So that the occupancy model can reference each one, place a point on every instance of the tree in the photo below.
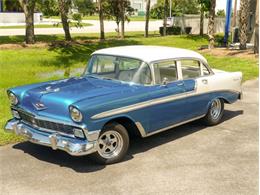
(221, 13)
(122, 17)
(64, 6)
(204, 6)
(256, 44)
(101, 19)
(147, 16)
(211, 24)
(48, 7)
(11, 6)
(243, 20)
(165, 17)
(118, 10)
(179, 7)
(28, 8)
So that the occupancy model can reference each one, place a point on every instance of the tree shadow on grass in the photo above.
(69, 54)
(138, 145)
(19, 39)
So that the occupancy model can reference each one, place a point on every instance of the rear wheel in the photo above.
(112, 144)
(215, 112)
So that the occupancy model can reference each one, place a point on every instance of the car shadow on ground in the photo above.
(84, 164)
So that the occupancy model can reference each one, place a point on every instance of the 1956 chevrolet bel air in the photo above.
(139, 90)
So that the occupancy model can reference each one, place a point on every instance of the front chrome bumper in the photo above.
(73, 146)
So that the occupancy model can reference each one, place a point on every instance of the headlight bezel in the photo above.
(13, 98)
(75, 114)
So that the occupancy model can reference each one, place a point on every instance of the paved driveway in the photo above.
(191, 159)
(110, 26)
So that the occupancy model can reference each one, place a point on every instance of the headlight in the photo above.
(75, 114)
(13, 99)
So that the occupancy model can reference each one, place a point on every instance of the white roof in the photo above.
(150, 53)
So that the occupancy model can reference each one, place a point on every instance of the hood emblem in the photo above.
(50, 90)
(39, 106)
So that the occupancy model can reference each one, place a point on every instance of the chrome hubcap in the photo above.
(215, 109)
(110, 144)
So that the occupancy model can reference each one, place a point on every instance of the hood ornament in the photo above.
(39, 106)
(49, 90)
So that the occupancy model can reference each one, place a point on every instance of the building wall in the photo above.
(140, 5)
(194, 22)
(17, 17)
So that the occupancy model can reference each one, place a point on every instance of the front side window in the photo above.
(190, 69)
(165, 71)
(120, 68)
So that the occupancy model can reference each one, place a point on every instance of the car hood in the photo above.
(55, 97)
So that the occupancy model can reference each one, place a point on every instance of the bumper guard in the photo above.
(71, 145)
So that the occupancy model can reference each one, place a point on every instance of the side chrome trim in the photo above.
(140, 105)
(152, 103)
(146, 134)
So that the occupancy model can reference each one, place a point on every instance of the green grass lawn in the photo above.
(22, 66)
(95, 17)
(72, 24)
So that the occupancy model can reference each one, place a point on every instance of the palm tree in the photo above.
(256, 44)
(147, 16)
(64, 10)
(201, 20)
(101, 20)
(243, 20)
(211, 23)
(28, 8)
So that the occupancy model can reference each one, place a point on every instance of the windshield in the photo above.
(120, 68)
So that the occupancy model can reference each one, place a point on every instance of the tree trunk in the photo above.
(234, 19)
(122, 13)
(64, 10)
(118, 30)
(101, 20)
(165, 17)
(123, 28)
(201, 20)
(147, 16)
(211, 24)
(243, 19)
(28, 8)
(256, 41)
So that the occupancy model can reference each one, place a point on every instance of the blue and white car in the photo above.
(139, 90)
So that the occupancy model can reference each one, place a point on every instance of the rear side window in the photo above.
(165, 71)
(190, 69)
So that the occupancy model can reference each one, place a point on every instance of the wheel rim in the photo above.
(110, 144)
(215, 109)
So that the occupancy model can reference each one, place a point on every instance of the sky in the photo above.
(221, 4)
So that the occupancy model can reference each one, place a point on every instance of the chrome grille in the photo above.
(31, 120)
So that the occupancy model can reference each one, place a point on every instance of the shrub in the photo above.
(188, 29)
(171, 30)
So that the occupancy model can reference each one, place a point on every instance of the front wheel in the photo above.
(215, 112)
(112, 144)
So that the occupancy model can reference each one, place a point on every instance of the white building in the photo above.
(140, 5)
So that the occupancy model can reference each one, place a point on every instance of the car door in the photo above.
(167, 97)
(195, 76)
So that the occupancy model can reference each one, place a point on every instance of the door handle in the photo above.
(204, 81)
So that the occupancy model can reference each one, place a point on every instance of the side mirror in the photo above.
(165, 81)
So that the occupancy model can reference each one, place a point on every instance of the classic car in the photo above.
(128, 90)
